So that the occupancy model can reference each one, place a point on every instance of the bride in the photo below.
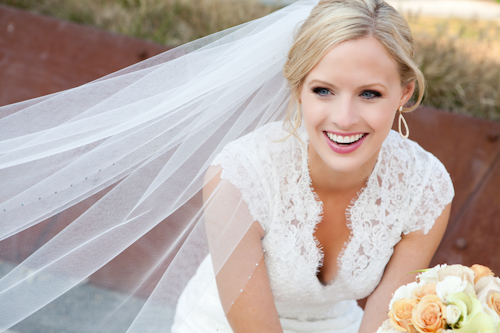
(341, 206)
(300, 218)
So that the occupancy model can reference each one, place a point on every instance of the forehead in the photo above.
(359, 61)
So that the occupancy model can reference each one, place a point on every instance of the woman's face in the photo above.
(349, 100)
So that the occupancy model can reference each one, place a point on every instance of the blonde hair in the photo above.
(332, 22)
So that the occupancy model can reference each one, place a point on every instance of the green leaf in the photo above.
(427, 269)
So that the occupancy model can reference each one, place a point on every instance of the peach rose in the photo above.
(481, 271)
(400, 315)
(426, 289)
(493, 301)
(429, 315)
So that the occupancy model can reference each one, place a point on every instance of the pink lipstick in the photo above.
(344, 148)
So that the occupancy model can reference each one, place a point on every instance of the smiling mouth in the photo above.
(344, 140)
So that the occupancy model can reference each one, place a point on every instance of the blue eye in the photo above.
(321, 91)
(370, 94)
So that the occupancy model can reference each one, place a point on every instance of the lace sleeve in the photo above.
(241, 168)
(435, 192)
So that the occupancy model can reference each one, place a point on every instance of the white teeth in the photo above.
(344, 139)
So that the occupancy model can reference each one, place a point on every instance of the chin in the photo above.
(345, 165)
(363, 157)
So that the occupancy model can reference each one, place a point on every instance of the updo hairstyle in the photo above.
(332, 22)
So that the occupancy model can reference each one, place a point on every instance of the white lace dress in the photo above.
(406, 191)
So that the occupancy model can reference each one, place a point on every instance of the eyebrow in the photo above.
(332, 85)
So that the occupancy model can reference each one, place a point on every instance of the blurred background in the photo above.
(50, 45)
(458, 41)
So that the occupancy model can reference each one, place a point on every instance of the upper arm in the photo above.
(432, 192)
(413, 252)
(235, 246)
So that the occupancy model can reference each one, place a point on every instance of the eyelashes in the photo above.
(320, 91)
(370, 94)
(366, 94)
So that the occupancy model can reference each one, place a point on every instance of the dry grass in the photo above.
(461, 62)
(460, 58)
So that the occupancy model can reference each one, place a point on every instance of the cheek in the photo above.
(310, 118)
(313, 112)
(383, 113)
(380, 119)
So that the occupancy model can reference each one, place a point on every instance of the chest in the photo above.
(332, 234)
(327, 252)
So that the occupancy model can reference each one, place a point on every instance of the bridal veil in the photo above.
(124, 158)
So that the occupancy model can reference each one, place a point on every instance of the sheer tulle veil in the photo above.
(117, 167)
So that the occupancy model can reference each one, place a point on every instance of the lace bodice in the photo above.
(406, 192)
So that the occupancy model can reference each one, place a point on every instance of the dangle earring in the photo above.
(401, 118)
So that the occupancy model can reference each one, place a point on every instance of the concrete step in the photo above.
(78, 310)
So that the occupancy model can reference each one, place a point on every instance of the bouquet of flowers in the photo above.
(446, 298)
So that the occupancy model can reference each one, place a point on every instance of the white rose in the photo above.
(484, 285)
(453, 313)
(463, 272)
(431, 276)
(404, 292)
(387, 328)
(450, 285)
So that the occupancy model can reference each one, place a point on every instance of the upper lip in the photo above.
(345, 134)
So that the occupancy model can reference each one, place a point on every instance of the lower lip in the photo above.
(344, 149)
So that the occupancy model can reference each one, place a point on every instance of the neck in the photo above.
(328, 181)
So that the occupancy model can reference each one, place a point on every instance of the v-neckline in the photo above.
(319, 217)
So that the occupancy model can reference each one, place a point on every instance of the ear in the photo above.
(407, 92)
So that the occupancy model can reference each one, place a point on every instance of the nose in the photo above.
(344, 114)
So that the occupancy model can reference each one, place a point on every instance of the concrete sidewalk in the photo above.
(470, 9)
(483, 9)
